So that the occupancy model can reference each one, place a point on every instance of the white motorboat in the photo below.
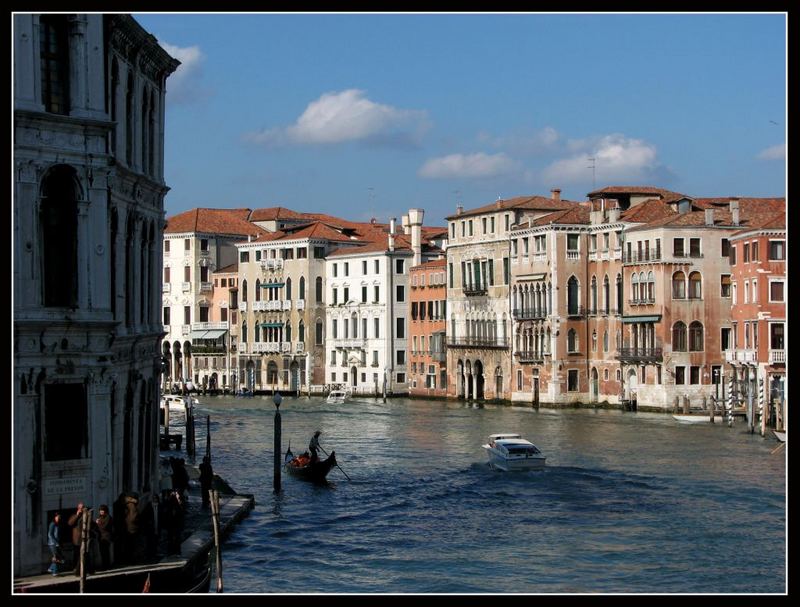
(176, 402)
(511, 452)
(699, 418)
(338, 396)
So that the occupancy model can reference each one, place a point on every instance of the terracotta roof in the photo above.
(647, 211)
(231, 269)
(769, 222)
(541, 203)
(575, 215)
(213, 221)
(402, 242)
(273, 213)
(634, 190)
(753, 212)
(433, 231)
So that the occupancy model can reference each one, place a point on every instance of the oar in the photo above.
(337, 463)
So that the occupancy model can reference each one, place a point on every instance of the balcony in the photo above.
(186, 287)
(438, 355)
(300, 304)
(349, 342)
(287, 304)
(271, 264)
(647, 355)
(576, 311)
(477, 342)
(299, 347)
(642, 257)
(166, 287)
(574, 255)
(542, 256)
(166, 328)
(528, 356)
(206, 287)
(741, 355)
(208, 326)
(209, 350)
(529, 313)
(472, 290)
(777, 357)
(186, 329)
(243, 306)
(642, 301)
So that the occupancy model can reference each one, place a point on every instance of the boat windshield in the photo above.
(522, 450)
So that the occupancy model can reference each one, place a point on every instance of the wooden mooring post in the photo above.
(214, 494)
(86, 521)
(276, 482)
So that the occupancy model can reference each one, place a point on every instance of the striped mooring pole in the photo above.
(729, 403)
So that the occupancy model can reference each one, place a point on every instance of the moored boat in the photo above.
(511, 452)
(302, 466)
(698, 418)
(176, 402)
(338, 396)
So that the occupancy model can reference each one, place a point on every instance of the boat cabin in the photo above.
(517, 447)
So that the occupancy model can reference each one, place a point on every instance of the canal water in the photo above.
(628, 502)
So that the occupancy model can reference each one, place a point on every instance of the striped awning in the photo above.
(271, 325)
(210, 334)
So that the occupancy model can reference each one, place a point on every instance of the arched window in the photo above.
(301, 332)
(318, 283)
(129, 121)
(319, 333)
(113, 103)
(302, 293)
(58, 218)
(258, 290)
(605, 341)
(635, 287)
(606, 295)
(257, 332)
(244, 290)
(572, 295)
(244, 332)
(594, 294)
(679, 337)
(651, 286)
(619, 294)
(287, 332)
(288, 288)
(695, 285)
(572, 341)
(679, 285)
(642, 286)
(145, 124)
(696, 337)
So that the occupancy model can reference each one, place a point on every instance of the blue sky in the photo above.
(367, 115)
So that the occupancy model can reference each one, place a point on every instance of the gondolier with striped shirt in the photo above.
(313, 446)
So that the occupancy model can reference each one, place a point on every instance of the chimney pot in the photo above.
(555, 194)
(709, 217)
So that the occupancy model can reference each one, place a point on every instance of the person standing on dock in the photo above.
(74, 522)
(105, 529)
(206, 479)
(54, 543)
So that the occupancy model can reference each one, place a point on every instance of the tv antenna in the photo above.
(591, 166)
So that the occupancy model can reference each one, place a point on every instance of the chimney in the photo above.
(391, 233)
(415, 227)
(709, 217)
(555, 194)
(734, 207)
(459, 210)
(404, 223)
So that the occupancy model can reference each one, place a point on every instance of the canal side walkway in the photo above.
(198, 541)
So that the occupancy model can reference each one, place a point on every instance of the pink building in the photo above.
(428, 300)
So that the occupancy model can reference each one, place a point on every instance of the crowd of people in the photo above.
(129, 534)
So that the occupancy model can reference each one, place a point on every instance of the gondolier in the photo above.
(314, 445)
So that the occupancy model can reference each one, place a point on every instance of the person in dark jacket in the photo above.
(206, 480)
(54, 543)
(74, 522)
(313, 446)
(105, 531)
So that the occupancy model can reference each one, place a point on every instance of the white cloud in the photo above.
(348, 115)
(616, 158)
(467, 166)
(776, 152)
(182, 84)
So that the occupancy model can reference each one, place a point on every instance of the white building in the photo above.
(367, 314)
(196, 244)
(88, 217)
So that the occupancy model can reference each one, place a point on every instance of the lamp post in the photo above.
(277, 398)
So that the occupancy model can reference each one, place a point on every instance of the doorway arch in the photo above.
(479, 380)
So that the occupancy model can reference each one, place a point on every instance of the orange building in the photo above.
(428, 301)
(758, 316)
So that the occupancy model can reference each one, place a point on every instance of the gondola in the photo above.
(301, 466)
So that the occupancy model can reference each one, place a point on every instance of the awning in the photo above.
(215, 333)
(272, 285)
(271, 325)
(539, 276)
(197, 334)
(632, 319)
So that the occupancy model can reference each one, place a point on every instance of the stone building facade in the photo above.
(89, 98)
